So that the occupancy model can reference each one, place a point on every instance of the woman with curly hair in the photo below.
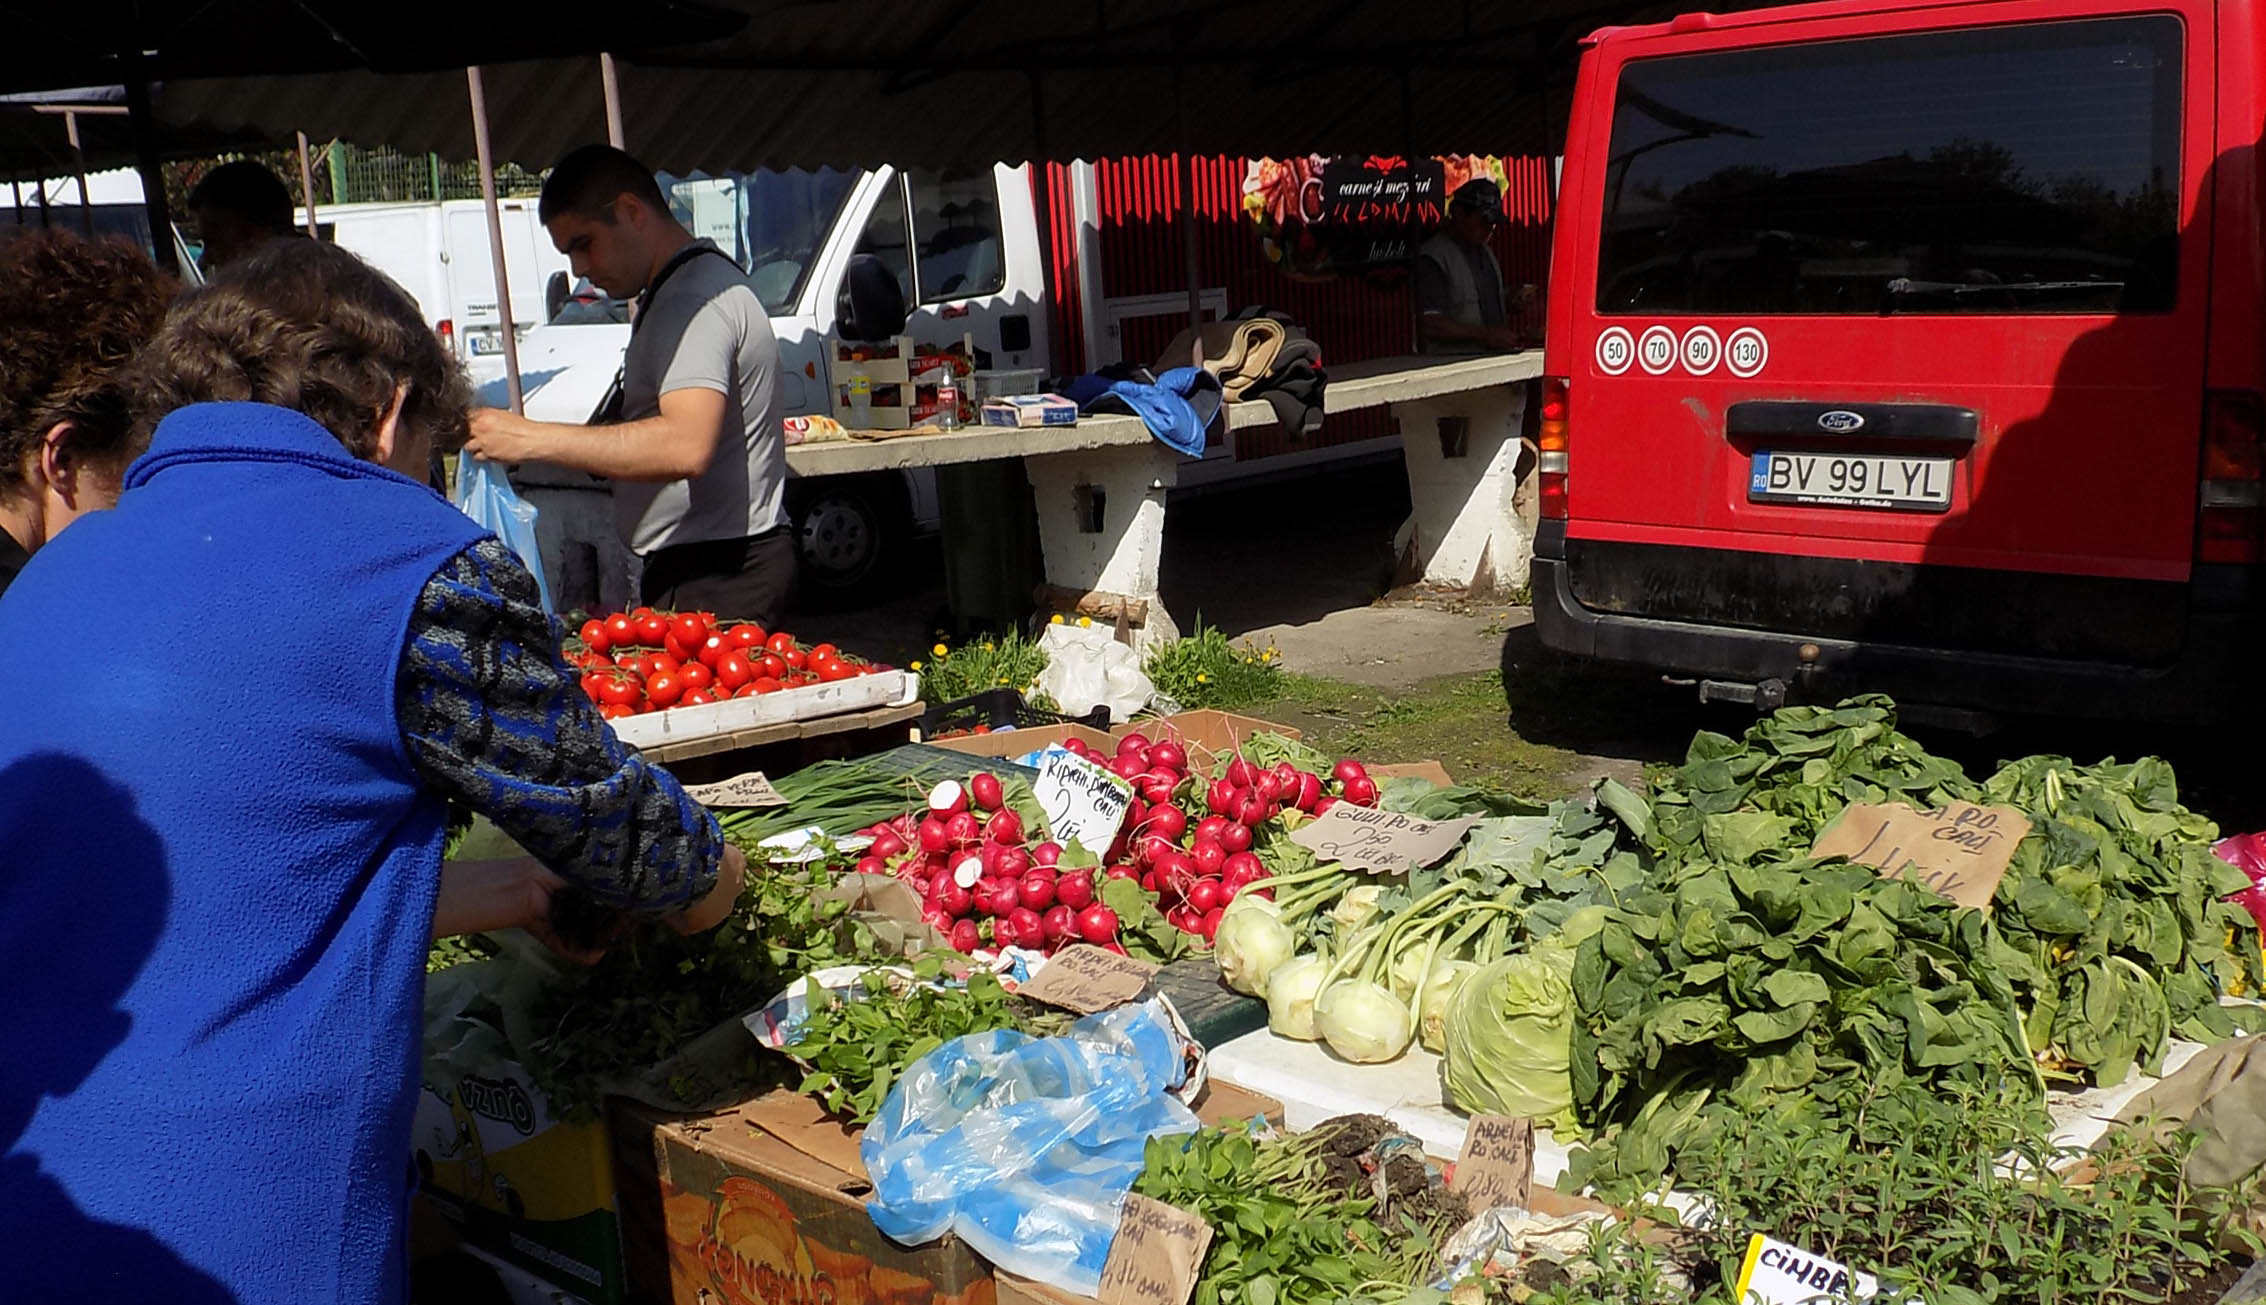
(313, 654)
(73, 312)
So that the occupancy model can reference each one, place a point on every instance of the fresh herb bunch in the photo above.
(656, 991)
(1007, 661)
(1203, 669)
(1288, 1227)
(837, 796)
(857, 1046)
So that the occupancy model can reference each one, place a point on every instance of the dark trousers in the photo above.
(747, 579)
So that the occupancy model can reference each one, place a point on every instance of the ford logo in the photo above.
(1840, 421)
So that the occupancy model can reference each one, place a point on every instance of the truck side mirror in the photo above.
(871, 306)
(555, 294)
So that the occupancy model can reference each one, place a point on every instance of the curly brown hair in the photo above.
(73, 312)
(306, 326)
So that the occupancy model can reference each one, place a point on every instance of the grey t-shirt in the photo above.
(707, 330)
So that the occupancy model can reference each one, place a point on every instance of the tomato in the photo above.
(620, 688)
(745, 636)
(773, 665)
(696, 698)
(689, 628)
(713, 648)
(833, 671)
(640, 613)
(750, 689)
(781, 643)
(765, 684)
(796, 658)
(614, 711)
(621, 631)
(664, 689)
(732, 671)
(824, 650)
(590, 683)
(652, 631)
(594, 636)
(695, 675)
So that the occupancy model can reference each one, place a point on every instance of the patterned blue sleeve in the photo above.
(495, 719)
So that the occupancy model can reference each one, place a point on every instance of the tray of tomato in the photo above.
(672, 676)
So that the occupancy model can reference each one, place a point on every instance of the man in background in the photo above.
(696, 452)
(1460, 303)
(238, 207)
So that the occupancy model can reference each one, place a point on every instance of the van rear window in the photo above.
(2030, 169)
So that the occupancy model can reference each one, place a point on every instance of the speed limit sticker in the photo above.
(1703, 349)
(1616, 349)
(1656, 350)
(1746, 352)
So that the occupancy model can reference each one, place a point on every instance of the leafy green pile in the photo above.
(856, 1045)
(1294, 1220)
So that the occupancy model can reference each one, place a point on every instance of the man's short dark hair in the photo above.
(245, 190)
(588, 181)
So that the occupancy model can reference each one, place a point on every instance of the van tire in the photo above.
(847, 528)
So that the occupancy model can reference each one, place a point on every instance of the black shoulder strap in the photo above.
(669, 269)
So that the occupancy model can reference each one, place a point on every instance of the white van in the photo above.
(438, 251)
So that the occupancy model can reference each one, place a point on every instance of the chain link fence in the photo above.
(355, 174)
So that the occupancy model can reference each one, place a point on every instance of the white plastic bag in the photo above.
(1086, 668)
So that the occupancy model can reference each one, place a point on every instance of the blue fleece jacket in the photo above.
(219, 877)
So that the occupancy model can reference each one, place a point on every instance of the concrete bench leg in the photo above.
(1101, 525)
(1471, 523)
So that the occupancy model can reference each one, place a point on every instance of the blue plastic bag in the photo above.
(486, 495)
(1024, 1146)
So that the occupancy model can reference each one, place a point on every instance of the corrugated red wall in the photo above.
(1143, 252)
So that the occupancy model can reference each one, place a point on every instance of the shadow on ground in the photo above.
(1285, 552)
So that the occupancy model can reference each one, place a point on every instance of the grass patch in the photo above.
(1006, 661)
(1461, 721)
(1205, 670)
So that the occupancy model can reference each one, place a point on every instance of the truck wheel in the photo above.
(844, 527)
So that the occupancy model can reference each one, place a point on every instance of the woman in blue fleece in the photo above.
(300, 654)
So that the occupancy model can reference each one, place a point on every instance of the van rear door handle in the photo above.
(1932, 423)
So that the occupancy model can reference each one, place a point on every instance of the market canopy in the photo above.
(849, 82)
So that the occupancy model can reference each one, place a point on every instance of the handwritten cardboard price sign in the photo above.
(1381, 842)
(749, 790)
(1775, 1273)
(1083, 802)
(1086, 978)
(1496, 1166)
(1155, 1257)
(1961, 851)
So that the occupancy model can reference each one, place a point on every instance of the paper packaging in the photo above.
(1030, 410)
(1016, 743)
(1210, 737)
(764, 1204)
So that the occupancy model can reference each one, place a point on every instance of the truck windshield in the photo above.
(2024, 169)
(773, 223)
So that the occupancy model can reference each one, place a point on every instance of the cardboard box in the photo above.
(1209, 736)
(1030, 410)
(890, 360)
(535, 1192)
(1014, 743)
(764, 1204)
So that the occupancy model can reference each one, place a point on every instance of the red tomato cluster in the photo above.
(643, 660)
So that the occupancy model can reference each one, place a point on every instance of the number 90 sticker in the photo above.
(1703, 348)
(1615, 350)
(1746, 352)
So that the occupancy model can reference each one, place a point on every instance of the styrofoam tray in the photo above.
(811, 701)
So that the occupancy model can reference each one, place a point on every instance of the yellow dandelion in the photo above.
(991, 647)
(1003, 679)
(916, 665)
(1056, 619)
(1202, 678)
(939, 650)
(1085, 622)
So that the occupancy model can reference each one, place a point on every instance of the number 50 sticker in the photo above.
(1615, 350)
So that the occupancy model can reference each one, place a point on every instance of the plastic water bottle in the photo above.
(948, 401)
(861, 401)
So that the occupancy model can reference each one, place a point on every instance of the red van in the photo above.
(1913, 347)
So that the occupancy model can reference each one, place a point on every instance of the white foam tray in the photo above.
(809, 702)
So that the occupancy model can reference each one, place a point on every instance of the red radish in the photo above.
(1209, 828)
(1168, 755)
(1168, 821)
(1047, 853)
(1058, 922)
(1006, 895)
(933, 838)
(956, 900)
(1348, 770)
(1127, 766)
(948, 798)
(1075, 890)
(872, 865)
(966, 936)
(1014, 863)
(1029, 928)
(939, 919)
(1004, 828)
(1241, 773)
(984, 788)
(1285, 774)
(983, 899)
(1117, 847)
(887, 845)
(1204, 895)
(1268, 788)
(1259, 889)
(1035, 892)
(1209, 856)
(1219, 799)
(1157, 791)
(1322, 808)
(967, 870)
(1242, 868)
(1097, 924)
(1120, 871)
(1075, 747)
(1250, 809)
(1149, 884)
(1004, 933)
(1309, 791)
(1133, 742)
(1361, 791)
(1211, 925)
(962, 829)
(921, 883)
(1236, 838)
(1179, 918)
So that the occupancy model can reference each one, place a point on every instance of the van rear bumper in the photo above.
(2203, 682)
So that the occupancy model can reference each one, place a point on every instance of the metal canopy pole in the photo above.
(609, 79)
(307, 184)
(144, 130)
(79, 168)
(495, 233)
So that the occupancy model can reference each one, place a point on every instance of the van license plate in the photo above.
(1844, 480)
(486, 342)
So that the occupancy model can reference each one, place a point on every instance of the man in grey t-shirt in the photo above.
(696, 452)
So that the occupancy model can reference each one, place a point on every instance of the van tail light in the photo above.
(1550, 449)
(447, 329)
(2234, 477)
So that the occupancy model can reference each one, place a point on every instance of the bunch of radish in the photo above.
(979, 885)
